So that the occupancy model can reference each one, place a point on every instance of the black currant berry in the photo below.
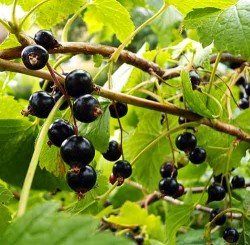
(247, 89)
(86, 108)
(49, 87)
(40, 104)
(231, 235)
(168, 170)
(198, 155)
(180, 191)
(220, 179)
(195, 79)
(218, 221)
(114, 151)
(45, 39)
(82, 181)
(34, 57)
(77, 151)
(216, 192)
(122, 168)
(139, 240)
(238, 182)
(57, 95)
(118, 109)
(186, 142)
(78, 82)
(243, 103)
(168, 186)
(241, 81)
(59, 131)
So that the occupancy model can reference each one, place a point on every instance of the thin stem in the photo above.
(212, 77)
(30, 12)
(100, 72)
(69, 23)
(170, 141)
(34, 160)
(6, 25)
(111, 66)
(116, 54)
(13, 14)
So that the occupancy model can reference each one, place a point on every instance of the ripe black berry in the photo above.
(59, 131)
(168, 186)
(198, 155)
(195, 79)
(122, 168)
(241, 81)
(180, 191)
(218, 221)
(243, 103)
(45, 39)
(139, 240)
(82, 181)
(57, 95)
(78, 82)
(114, 151)
(77, 151)
(40, 104)
(34, 57)
(118, 109)
(238, 182)
(186, 142)
(86, 108)
(247, 89)
(230, 235)
(216, 192)
(49, 86)
(168, 170)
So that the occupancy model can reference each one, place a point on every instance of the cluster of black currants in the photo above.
(187, 142)
(168, 185)
(244, 92)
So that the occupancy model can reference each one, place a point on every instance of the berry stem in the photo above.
(5, 25)
(61, 88)
(13, 14)
(34, 160)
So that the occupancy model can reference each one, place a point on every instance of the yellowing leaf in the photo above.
(109, 13)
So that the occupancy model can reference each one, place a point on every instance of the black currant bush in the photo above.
(138, 104)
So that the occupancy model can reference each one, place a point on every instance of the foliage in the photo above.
(166, 41)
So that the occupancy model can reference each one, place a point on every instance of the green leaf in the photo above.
(5, 194)
(196, 100)
(186, 6)
(10, 42)
(127, 218)
(245, 234)
(149, 147)
(5, 218)
(213, 26)
(98, 131)
(109, 13)
(176, 217)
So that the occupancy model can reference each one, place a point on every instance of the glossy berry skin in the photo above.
(168, 186)
(77, 151)
(243, 103)
(198, 155)
(247, 89)
(195, 79)
(82, 181)
(216, 192)
(40, 104)
(186, 142)
(231, 235)
(78, 83)
(57, 95)
(168, 170)
(121, 109)
(238, 182)
(59, 131)
(114, 151)
(122, 168)
(219, 221)
(180, 191)
(45, 39)
(86, 108)
(49, 86)
(34, 57)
